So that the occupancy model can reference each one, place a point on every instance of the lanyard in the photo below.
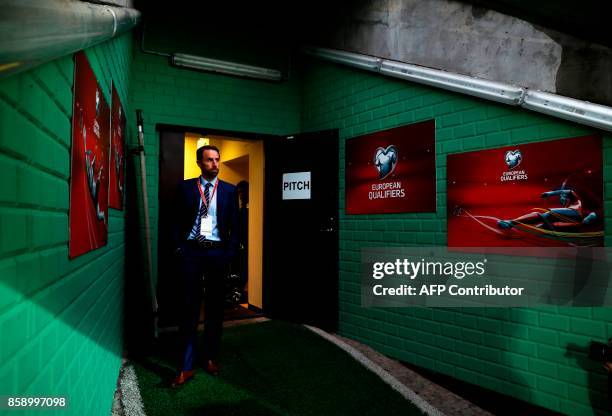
(202, 192)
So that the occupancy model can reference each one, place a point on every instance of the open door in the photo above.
(301, 233)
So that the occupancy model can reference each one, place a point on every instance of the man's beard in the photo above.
(210, 174)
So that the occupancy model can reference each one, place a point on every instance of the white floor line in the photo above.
(131, 400)
(130, 393)
(395, 384)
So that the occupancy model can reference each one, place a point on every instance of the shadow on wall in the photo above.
(544, 362)
(598, 384)
(139, 317)
(504, 365)
(550, 363)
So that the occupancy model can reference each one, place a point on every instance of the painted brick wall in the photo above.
(60, 320)
(191, 98)
(527, 353)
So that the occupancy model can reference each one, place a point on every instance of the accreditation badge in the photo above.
(207, 226)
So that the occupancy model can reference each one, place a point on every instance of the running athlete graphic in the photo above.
(570, 214)
(570, 223)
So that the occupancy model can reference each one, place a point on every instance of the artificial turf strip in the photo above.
(272, 368)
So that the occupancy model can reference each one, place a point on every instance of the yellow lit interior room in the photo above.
(240, 160)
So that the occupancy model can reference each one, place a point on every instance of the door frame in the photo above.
(266, 138)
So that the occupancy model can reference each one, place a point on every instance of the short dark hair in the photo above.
(243, 185)
(200, 151)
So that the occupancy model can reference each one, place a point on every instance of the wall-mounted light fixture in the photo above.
(202, 141)
(225, 67)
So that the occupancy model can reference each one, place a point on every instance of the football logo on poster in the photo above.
(385, 161)
(392, 171)
(537, 200)
(89, 165)
(513, 158)
(117, 155)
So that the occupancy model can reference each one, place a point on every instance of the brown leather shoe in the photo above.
(182, 378)
(212, 367)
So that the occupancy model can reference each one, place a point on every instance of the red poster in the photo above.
(117, 159)
(89, 169)
(392, 171)
(546, 194)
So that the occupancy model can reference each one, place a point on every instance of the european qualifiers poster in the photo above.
(89, 170)
(117, 156)
(547, 194)
(392, 171)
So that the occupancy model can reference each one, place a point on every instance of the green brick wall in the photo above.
(60, 320)
(536, 355)
(184, 97)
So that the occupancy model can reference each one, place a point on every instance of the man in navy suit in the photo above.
(206, 237)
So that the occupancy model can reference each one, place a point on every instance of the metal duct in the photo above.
(581, 112)
(355, 60)
(489, 90)
(36, 31)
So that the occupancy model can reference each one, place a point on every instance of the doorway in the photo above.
(242, 165)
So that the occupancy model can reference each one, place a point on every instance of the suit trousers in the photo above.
(201, 268)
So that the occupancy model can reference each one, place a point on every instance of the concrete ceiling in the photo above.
(280, 22)
(584, 19)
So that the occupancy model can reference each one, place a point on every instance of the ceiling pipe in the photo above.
(35, 31)
(578, 111)
(488, 90)
(583, 112)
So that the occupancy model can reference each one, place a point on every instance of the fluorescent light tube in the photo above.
(225, 67)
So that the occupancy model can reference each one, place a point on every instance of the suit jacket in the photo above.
(187, 207)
